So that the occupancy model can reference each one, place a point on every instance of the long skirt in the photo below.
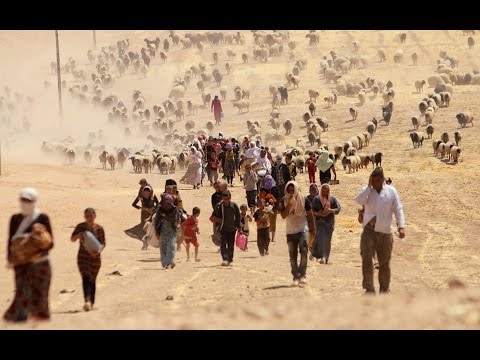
(88, 265)
(168, 244)
(32, 284)
(193, 176)
(229, 169)
(323, 241)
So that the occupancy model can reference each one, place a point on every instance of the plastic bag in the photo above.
(241, 241)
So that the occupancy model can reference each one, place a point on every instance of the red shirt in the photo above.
(190, 227)
(311, 165)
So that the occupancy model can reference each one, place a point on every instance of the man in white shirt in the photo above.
(381, 201)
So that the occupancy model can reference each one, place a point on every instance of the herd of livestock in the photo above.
(165, 146)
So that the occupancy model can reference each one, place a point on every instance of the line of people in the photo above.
(309, 220)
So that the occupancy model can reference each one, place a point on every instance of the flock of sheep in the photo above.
(158, 121)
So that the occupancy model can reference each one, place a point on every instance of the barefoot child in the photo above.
(244, 220)
(191, 231)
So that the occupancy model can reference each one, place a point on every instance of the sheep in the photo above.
(398, 56)
(245, 58)
(313, 94)
(103, 159)
(293, 80)
(223, 93)
(376, 159)
(422, 107)
(361, 97)
(458, 137)
(429, 115)
(355, 143)
(242, 105)
(464, 119)
(330, 99)
(446, 98)
(111, 160)
(455, 153)
(231, 54)
(323, 123)
(177, 92)
(403, 37)
(435, 144)
(371, 128)
(415, 123)
(351, 151)
(346, 146)
(136, 163)
(287, 125)
(440, 150)
(189, 125)
(417, 139)
(163, 164)
(299, 162)
(429, 129)
(471, 42)
(122, 156)
(245, 94)
(414, 58)
(435, 80)
(353, 163)
(87, 155)
(275, 113)
(306, 117)
(382, 54)
(312, 137)
(444, 137)
(312, 108)
(210, 126)
(275, 124)
(283, 94)
(419, 85)
(354, 113)
(364, 161)
(367, 137)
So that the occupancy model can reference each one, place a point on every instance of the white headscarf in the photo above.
(29, 211)
(299, 208)
(253, 151)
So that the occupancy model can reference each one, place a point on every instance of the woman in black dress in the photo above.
(88, 264)
(32, 279)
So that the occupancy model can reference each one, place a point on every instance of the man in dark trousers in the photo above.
(227, 214)
(381, 201)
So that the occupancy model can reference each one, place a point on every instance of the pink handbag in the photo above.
(241, 241)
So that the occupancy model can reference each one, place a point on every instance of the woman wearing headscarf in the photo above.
(30, 262)
(166, 224)
(229, 168)
(88, 264)
(325, 207)
(262, 162)
(270, 185)
(313, 192)
(171, 189)
(297, 212)
(193, 176)
(325, 166)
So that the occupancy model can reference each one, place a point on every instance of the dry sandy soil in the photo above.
(440, 200)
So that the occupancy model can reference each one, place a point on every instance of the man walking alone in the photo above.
(380, 201)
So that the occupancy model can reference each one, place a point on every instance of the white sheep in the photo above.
(455, 153)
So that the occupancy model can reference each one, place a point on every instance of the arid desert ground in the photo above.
(440, 198)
